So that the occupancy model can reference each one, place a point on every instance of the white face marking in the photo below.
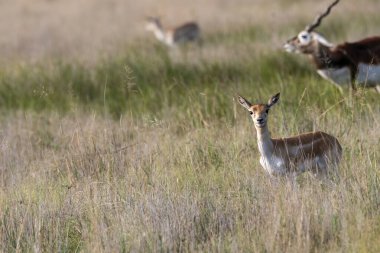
(304, 37)
(290, 48)
(303, 41)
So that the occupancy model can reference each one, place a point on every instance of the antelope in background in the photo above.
(188, 32)
(313, 151)
(344, 64)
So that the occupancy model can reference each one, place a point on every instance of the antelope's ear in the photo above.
(273, 100)
(244, 102)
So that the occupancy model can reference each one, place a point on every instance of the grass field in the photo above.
(147, 150)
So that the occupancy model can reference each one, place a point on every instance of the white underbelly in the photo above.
(368, 75)
(340, 76)
(276, 166)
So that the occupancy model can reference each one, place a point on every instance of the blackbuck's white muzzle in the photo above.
(289, 47)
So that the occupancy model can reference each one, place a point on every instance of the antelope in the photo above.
(313, 151)
(185, 33)
(344, 64)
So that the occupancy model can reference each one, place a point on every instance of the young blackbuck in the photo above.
(344, 64)
(314, 151)
(188, 32)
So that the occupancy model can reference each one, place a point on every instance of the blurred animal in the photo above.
(188, 32)
(349, 63)
(292, 155)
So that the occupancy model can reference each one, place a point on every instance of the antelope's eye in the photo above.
(267, 111)
(250, 112)
(304, 37)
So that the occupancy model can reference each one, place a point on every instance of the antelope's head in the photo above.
(153, 23)
(259, 112)
(307, 39)
(303, 43)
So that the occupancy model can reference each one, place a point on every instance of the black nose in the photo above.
(260, 120)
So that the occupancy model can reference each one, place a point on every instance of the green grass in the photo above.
(149, 151)
(133, 83)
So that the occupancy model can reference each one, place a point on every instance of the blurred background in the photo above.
(86, 29)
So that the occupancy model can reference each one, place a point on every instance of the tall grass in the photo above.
(149, 151)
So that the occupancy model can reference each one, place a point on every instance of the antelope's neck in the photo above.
(264, 141)
(159, 33)
(322, 56)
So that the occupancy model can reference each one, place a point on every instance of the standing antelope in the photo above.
(347, 63)
(171, 37)
(309, 151)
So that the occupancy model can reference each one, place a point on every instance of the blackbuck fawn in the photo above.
(314, 151)
(349, 63)
(188, 32)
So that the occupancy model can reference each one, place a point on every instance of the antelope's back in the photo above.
(187, 32)
(313, 142)
(366, 50)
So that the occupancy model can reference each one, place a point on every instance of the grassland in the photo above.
(148, 151)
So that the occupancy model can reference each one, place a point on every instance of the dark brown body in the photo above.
(348, 54)
(358, 57)
(186, 32)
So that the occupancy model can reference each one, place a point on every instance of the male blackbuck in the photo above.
(185, 33)
(314, 151)
(348, 63)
